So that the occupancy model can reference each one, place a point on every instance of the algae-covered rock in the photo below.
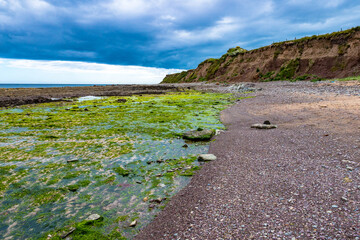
(199, 135)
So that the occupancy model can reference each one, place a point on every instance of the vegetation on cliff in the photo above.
(333, 55)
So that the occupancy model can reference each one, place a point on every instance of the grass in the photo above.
(355, 78)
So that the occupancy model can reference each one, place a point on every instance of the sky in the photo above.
(140, 41)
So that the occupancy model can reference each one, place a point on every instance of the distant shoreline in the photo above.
(10, 97)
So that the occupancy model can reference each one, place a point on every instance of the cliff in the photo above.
(334, 55)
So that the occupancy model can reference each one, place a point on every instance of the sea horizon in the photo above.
(47, 85)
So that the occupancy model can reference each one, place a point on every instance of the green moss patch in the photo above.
(60, 162)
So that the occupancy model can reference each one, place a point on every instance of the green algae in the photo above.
(98, 156)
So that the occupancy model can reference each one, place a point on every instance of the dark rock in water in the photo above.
(72, 160)
(121, 100)
(267, 122)
(202, 135)
(263, 126)
(152, 206)
(86, 110)
(157, 200)
(185, 146)
(159, 160)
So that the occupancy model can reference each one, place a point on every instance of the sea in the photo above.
(17, 85)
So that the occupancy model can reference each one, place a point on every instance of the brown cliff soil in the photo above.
(335, 55)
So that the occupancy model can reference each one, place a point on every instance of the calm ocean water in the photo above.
(2, 85)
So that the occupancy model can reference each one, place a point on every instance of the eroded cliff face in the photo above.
(334, 55)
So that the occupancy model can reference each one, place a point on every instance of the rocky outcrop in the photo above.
(334, 55)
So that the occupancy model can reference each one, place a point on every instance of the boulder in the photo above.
(199, 135)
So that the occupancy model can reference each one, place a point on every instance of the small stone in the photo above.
(152, 206)
(145, 199)
(94, 217)
(86, 110)
(350, 168)
(159, 160)
(133, 223)
(162, 185)
(121, 100)
(72, 160)
(206, 157)
(185, 146)
(157, 200)
(263, 126)
(138, 182)
(344, 199)
(334, 206)
(267, 122)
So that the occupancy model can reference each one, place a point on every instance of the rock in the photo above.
(185, 146)
(72, 160)
(350, 168)
(267, 122)
(94, 217)
(133, 223)
(145, 199)
(344, 199)
(206, 157)
(157, 200)
(67, 233)
(152, 206)
(263, 126)
(121, 100)
(202, 135)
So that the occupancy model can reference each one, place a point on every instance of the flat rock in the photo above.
(206, 157)
(199, 135)
(263, 126)
(72, 160)
(133, 223)
(94, 217)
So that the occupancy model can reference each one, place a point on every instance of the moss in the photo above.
(190, 172)
(342, 49)
(121, 171)
(100, 139)
(175, 78)
(277, 53)
(288, 70)
(46, 196)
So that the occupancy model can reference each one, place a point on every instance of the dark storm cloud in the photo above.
(159, 33)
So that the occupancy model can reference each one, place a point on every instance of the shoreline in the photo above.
(298, 181)
(11, 97)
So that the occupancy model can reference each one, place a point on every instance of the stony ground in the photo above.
(298, 181)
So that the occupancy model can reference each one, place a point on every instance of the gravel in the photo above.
(284, 183)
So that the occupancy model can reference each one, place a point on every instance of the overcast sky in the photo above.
(155, 35)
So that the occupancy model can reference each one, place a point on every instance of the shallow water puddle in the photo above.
(61, 162)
